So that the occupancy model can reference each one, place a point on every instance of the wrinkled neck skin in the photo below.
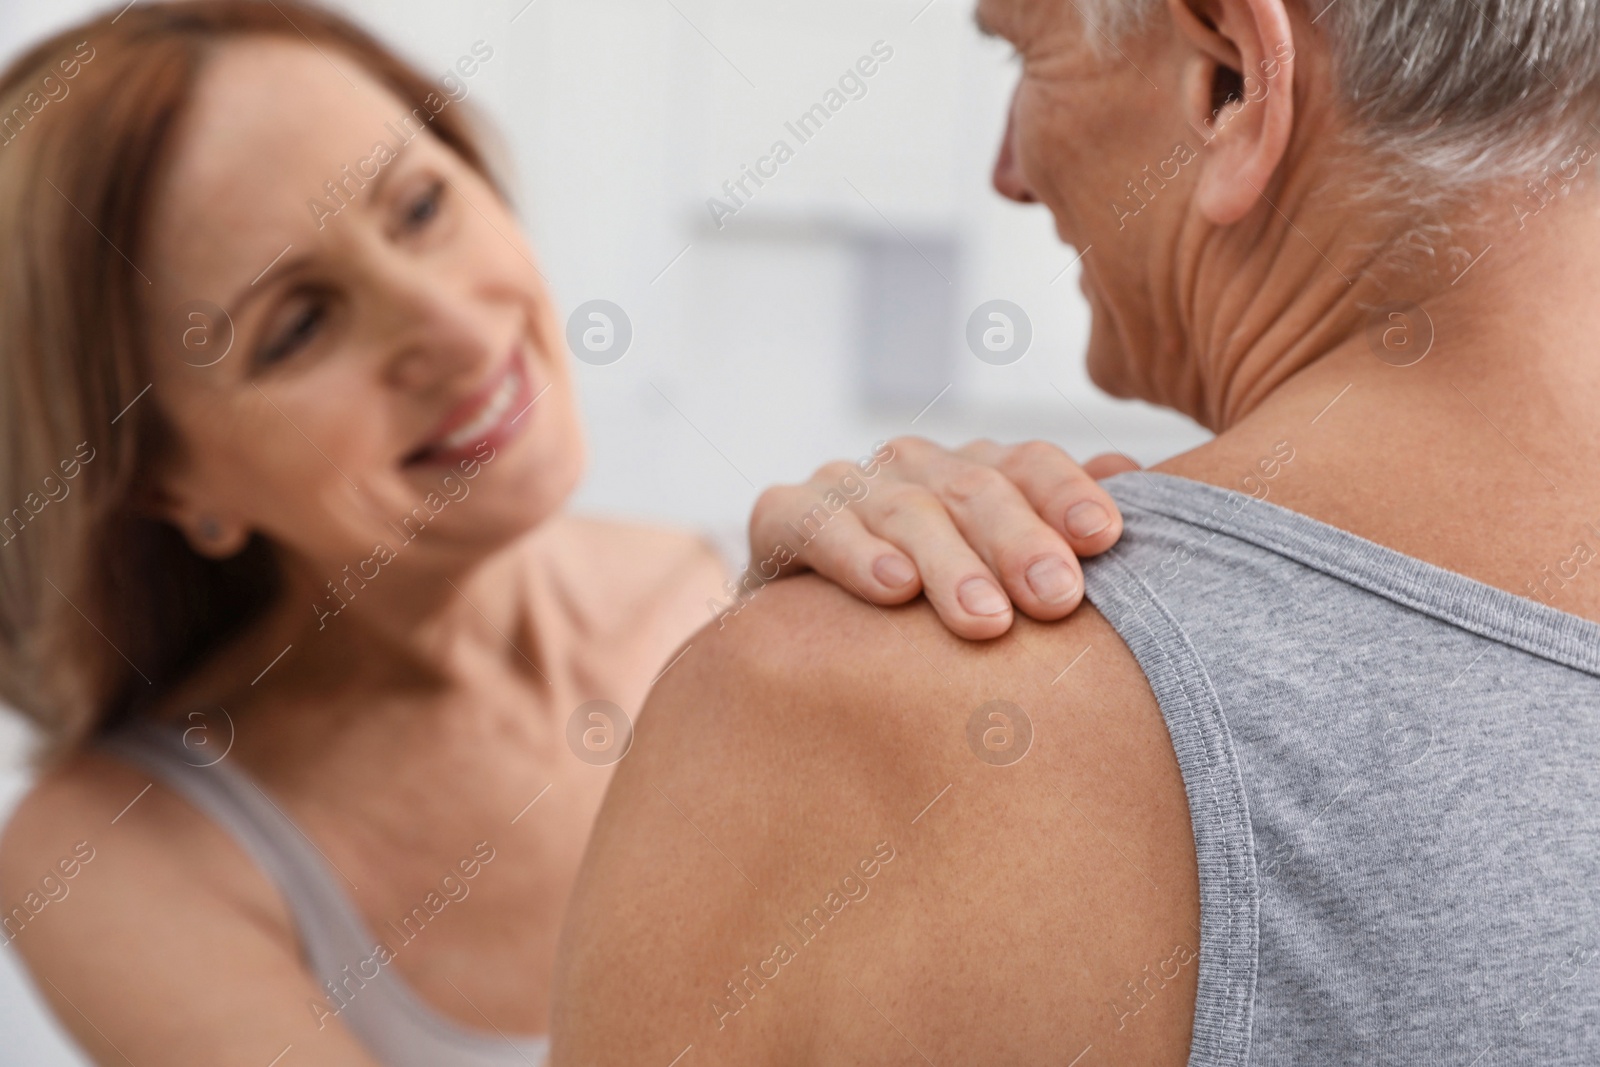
(1235, 312)
(1293, 327)
(1262, 301)
(432, 622)
(1502, 299)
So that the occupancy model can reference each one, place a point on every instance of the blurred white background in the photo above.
(829, 313)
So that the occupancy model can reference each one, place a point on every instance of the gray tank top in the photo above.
(1393, 774)
(371, 999)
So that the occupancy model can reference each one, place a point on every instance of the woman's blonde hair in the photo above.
(104, 607)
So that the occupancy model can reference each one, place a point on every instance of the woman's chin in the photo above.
(505, 487)
(530, 479)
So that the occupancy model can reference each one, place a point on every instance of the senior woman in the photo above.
(288, 541)
(1315, 779)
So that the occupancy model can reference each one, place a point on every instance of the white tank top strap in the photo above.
(349, 962)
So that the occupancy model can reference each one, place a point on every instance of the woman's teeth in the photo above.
(492, 413)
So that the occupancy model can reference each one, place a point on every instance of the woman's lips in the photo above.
(491, 415)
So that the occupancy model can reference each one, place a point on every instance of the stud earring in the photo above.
(210, 529)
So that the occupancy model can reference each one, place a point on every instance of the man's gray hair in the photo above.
(1467, 91)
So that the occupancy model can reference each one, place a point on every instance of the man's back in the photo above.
(1389, 828)
(1392, 775)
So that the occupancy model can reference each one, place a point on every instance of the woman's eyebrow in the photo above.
(376, 182)
(369, 193)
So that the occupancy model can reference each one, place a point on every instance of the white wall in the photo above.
(623, 117)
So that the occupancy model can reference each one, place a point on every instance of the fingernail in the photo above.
(893, 571)
(980, 597)
(1087, 519)
(1052, 580)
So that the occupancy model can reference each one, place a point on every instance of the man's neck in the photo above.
(1479, 458)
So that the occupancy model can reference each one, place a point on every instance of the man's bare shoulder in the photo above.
(843, 830)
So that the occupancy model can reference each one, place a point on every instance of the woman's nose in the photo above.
(424, 363)
(1008, 180)
(435, 332)
(438, 345)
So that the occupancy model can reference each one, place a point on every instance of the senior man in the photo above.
(1317, 779)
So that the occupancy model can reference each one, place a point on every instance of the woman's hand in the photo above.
(977, 530)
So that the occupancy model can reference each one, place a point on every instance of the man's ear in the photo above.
(1238, 87)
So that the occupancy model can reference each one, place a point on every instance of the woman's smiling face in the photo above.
(391, 335)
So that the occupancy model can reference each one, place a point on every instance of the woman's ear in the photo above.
(1238, 91)
(210, 533)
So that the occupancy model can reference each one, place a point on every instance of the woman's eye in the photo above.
(425, 207)
(300, 329)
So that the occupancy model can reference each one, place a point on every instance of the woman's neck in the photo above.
(401, 641)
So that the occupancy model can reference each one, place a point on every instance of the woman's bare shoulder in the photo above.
(95, 815)
(99, 864)
(618, 563)
(80, 798)
(603, 534)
